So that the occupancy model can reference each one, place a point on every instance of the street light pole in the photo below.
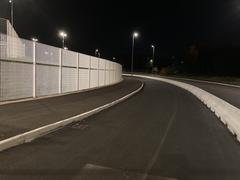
(135, 35)
(96, 52)
(63, 35)
(153, 56)
(63, 42)
(11, 2)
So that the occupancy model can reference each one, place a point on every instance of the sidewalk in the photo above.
(22, 117)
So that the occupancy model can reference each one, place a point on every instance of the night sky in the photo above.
(172, 25)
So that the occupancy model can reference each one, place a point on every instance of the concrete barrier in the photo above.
(227, 113)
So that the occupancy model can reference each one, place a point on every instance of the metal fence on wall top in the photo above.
(30, 69)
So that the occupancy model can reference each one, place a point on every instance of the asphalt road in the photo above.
(227, 93)
(160, 134)
(18, 118)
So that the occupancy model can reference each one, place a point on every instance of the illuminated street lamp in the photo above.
(34, 39)
(11, 3)
(153, 56)
(151, 62)
(134, 36)
(97, 53)
(63, 35)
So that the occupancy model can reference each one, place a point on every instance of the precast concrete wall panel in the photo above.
(15, 80)
(84, 82)
(47, 80)
(107, 65)
(101, 77)
(69, 79)
(94, 62)
(3, 26)
(84, 61)
(15, 49)
(94, 79)
(107, 77)
(46, 54)
(102, 64)
(111, 76)
(69, 58)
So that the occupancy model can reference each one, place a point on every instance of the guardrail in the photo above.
(30, 69)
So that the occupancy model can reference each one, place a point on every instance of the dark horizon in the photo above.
(173, 27)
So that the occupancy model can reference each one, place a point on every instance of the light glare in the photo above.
(63, 34)
(135, 34)
(35, 39)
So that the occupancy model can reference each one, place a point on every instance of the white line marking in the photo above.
(157, 152)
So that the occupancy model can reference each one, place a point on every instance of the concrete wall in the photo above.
(3, 26)
(34, 70)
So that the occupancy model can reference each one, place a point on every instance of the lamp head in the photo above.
(34, 39)
(63, 34)
(135, 34)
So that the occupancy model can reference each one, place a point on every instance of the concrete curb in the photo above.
(36, 133)
(227, 113)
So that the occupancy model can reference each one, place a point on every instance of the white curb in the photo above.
(227, 113)
(36, 133)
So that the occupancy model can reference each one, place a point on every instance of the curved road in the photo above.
(163, 133)
(230, 93)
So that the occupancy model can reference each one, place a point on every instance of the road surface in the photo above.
(18, 118)
(163, 133)
(228, 93)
